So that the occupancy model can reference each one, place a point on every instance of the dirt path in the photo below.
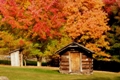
(42, 67)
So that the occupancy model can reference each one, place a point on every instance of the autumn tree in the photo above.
(112, 7)
(6, 42)
(37, 21)
(87, 24)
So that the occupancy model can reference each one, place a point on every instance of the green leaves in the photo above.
(112, 8)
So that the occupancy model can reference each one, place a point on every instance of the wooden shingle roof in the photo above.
(74, 45)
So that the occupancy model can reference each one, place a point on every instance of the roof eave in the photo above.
(74, 44)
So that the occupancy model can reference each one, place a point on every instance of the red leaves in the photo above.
(111, 6)
(44, 17)
(41, 29)
(108, 10)
(109, 2)
(21, 42)
(118, 2)
(2, 1)
(12, 3)
(51, 4)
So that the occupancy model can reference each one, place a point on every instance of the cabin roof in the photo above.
(74, 45)
(15, 50)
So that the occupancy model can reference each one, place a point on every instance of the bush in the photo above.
(106, 65)
(44, 64)
(5, 62)
(32, 63)
(54, 61)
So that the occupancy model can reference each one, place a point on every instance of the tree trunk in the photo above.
(39, 61)
(25, 63)
(21, 59)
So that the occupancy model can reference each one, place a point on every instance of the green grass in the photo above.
(26, 73)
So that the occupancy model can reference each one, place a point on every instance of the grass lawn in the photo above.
(28, 73)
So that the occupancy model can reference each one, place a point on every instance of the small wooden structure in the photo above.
(16, 58)
(75, 58)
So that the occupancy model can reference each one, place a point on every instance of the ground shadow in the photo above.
(56, 71)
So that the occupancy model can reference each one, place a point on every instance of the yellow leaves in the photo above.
(99, 4)
(24, 3)
(102, 43)
(93, 47)
(72, 7)
(1, 17)
(88, 26)
(104, 54)
(97, 50)
(8, 40)
(6, 37)
(93, 22)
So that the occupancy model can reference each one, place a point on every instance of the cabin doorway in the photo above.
(75, 62)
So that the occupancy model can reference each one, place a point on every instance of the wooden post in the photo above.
(80, 62)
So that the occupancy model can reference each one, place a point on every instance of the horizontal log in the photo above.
(64, 68)
(63, 56)
(87, 59)
(86, 67)
(64, 64)
(64, 60)
(84, 56)
(67, 53)
(86, 62)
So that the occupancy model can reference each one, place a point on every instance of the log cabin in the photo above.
(75, 59)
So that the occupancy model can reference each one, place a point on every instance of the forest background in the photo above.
(41, 27)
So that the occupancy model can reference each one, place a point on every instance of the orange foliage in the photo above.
(87, 23)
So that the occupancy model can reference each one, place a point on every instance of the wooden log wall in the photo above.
(87, 64)
(64, 63)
